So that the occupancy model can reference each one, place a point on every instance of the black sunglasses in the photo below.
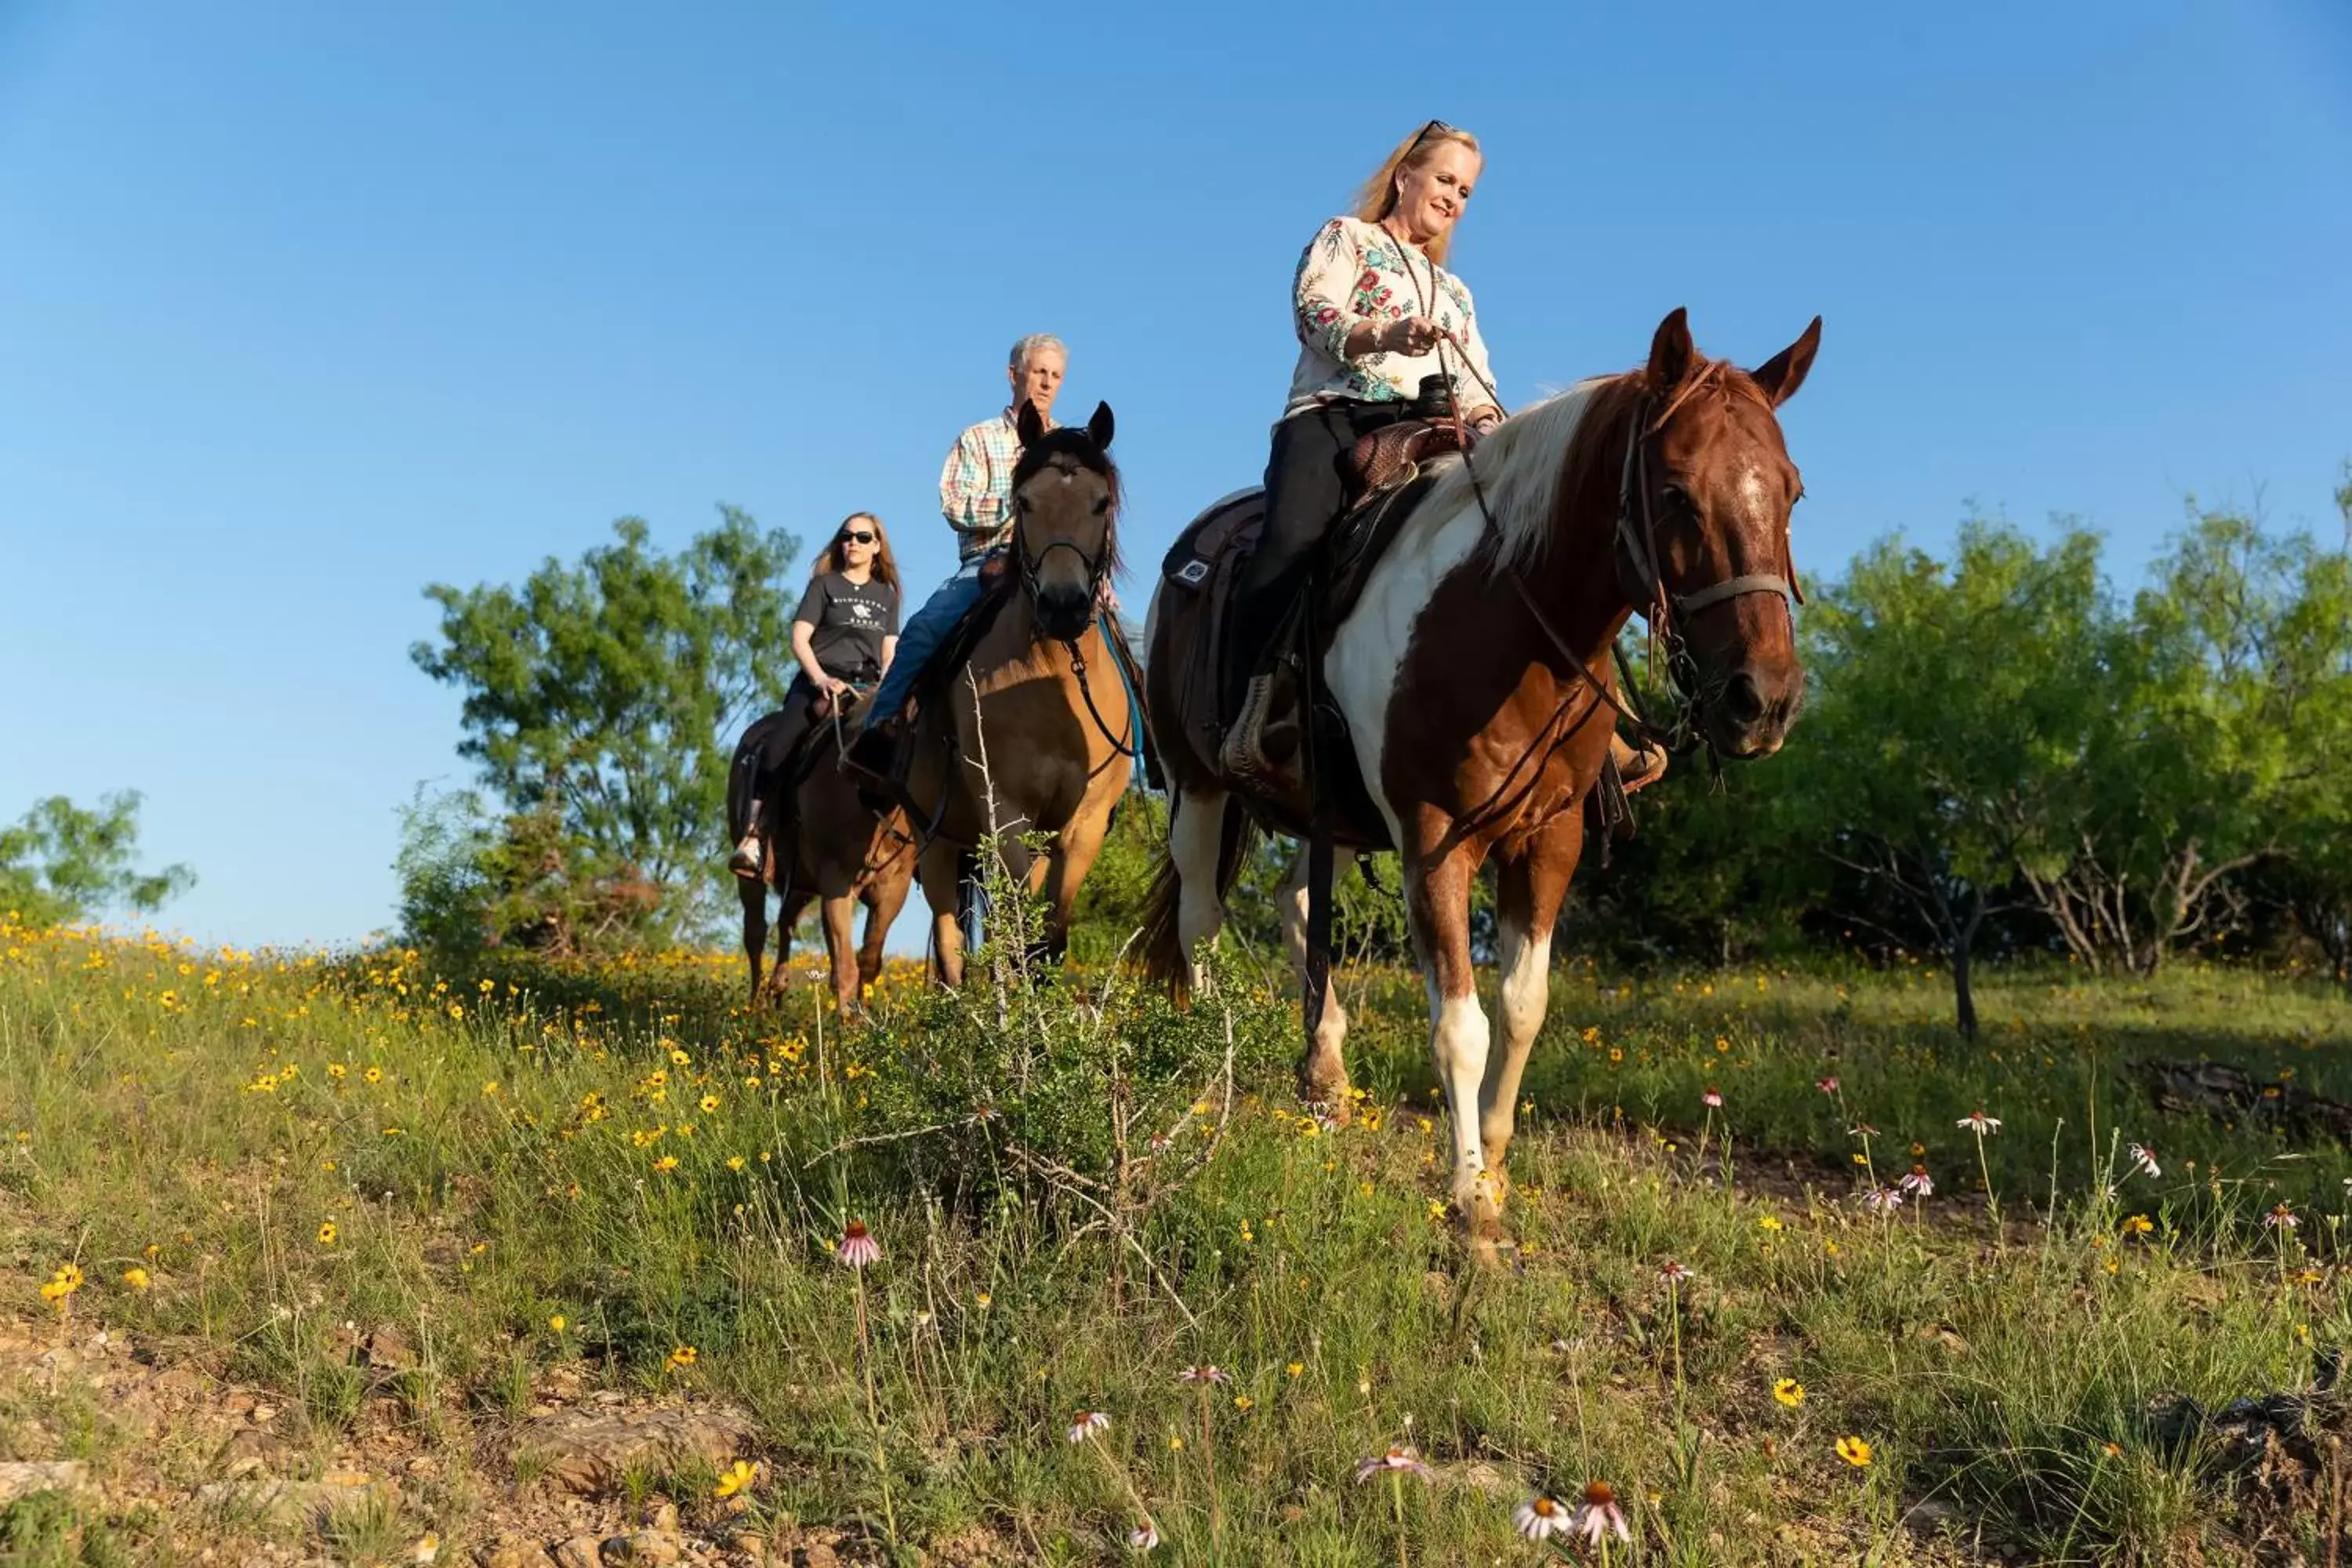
(1434, 127)
(849, 538)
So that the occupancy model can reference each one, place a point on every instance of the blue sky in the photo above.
(302, 307)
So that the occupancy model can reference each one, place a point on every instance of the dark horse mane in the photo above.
(1070, 448)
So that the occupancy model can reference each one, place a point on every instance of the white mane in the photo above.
(1519, 465)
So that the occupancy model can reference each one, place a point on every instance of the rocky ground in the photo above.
(147, 1453)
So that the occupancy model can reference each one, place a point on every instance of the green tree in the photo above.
(609, 692)
(2217, 704)
(61, 862)
(1951, 714)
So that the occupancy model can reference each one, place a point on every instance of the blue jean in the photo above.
(920, 637)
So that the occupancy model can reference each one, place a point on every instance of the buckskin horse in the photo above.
(1031, 733)
(1473, 675)
(840, 855)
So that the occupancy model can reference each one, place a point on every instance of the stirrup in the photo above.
(1243, 756)
(745, 861)
(1639, 767)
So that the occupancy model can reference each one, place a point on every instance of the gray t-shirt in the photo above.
(850, 620)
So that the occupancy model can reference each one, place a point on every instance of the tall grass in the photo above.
(1079, 1192)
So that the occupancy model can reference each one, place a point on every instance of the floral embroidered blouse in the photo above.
(1354, 271)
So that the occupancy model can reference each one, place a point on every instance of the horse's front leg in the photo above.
(1438, 902)
(1528, 893)
(836, 912)
(754, 896)
(1323, 1070)
(1066, 865)
(937, 872)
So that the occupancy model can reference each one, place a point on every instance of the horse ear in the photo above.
(1027, 425)
(1099, 427)
(1671, 353)
(1780, 375)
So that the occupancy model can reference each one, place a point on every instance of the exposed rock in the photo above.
(20, 1478)
(1479, 1477)
(590, 1450)
(580, 1552)
(303, 1503)
(2232, 1095)
(645, 1546)
(388, 1350)
(512, 1552)
(662, 1519)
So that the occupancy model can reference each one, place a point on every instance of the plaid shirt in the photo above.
(976, 486)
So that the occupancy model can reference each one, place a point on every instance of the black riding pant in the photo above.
(765, 747)
(1306, 490)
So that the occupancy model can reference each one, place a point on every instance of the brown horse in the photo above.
(1032, 735)
(842, 856)
(1475, 680)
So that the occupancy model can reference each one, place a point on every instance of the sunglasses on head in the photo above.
(860, 536)
(1434, 128)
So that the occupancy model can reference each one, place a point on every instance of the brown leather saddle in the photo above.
(1391, 474)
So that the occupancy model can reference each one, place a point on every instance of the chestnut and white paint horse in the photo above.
(1474, 679)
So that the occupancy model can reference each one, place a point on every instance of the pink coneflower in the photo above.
(1826, 1085)
(2280, 1218)
(1143, 1537)
(2145, 1159)
(1084, 1424)
(1977, 1122)
(1539, 1518)
(1599, 1514)
(1393, 1460)
(1211, 1374)
(1920, 1182)
(1882, 1200)
(1673, 1273)
(1713, 1100)
(856, 1248)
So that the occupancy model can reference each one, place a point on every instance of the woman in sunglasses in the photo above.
(1377, 315)
(844, 634)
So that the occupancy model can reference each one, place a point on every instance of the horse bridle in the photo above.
(1638, 569)
(1097, 566)
(1642, 581)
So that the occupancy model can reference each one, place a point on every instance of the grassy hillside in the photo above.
(547, 1186)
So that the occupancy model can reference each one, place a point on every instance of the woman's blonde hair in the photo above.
(1378, 198)
(885, 565)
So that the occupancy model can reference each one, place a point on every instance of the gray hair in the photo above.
(1030, 345)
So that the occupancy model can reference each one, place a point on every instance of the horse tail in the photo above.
(1160, 939)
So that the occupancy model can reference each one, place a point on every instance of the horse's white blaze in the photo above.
(1756, 498)
(1520, 1002)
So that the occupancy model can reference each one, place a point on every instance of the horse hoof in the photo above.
(1335, 1108)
